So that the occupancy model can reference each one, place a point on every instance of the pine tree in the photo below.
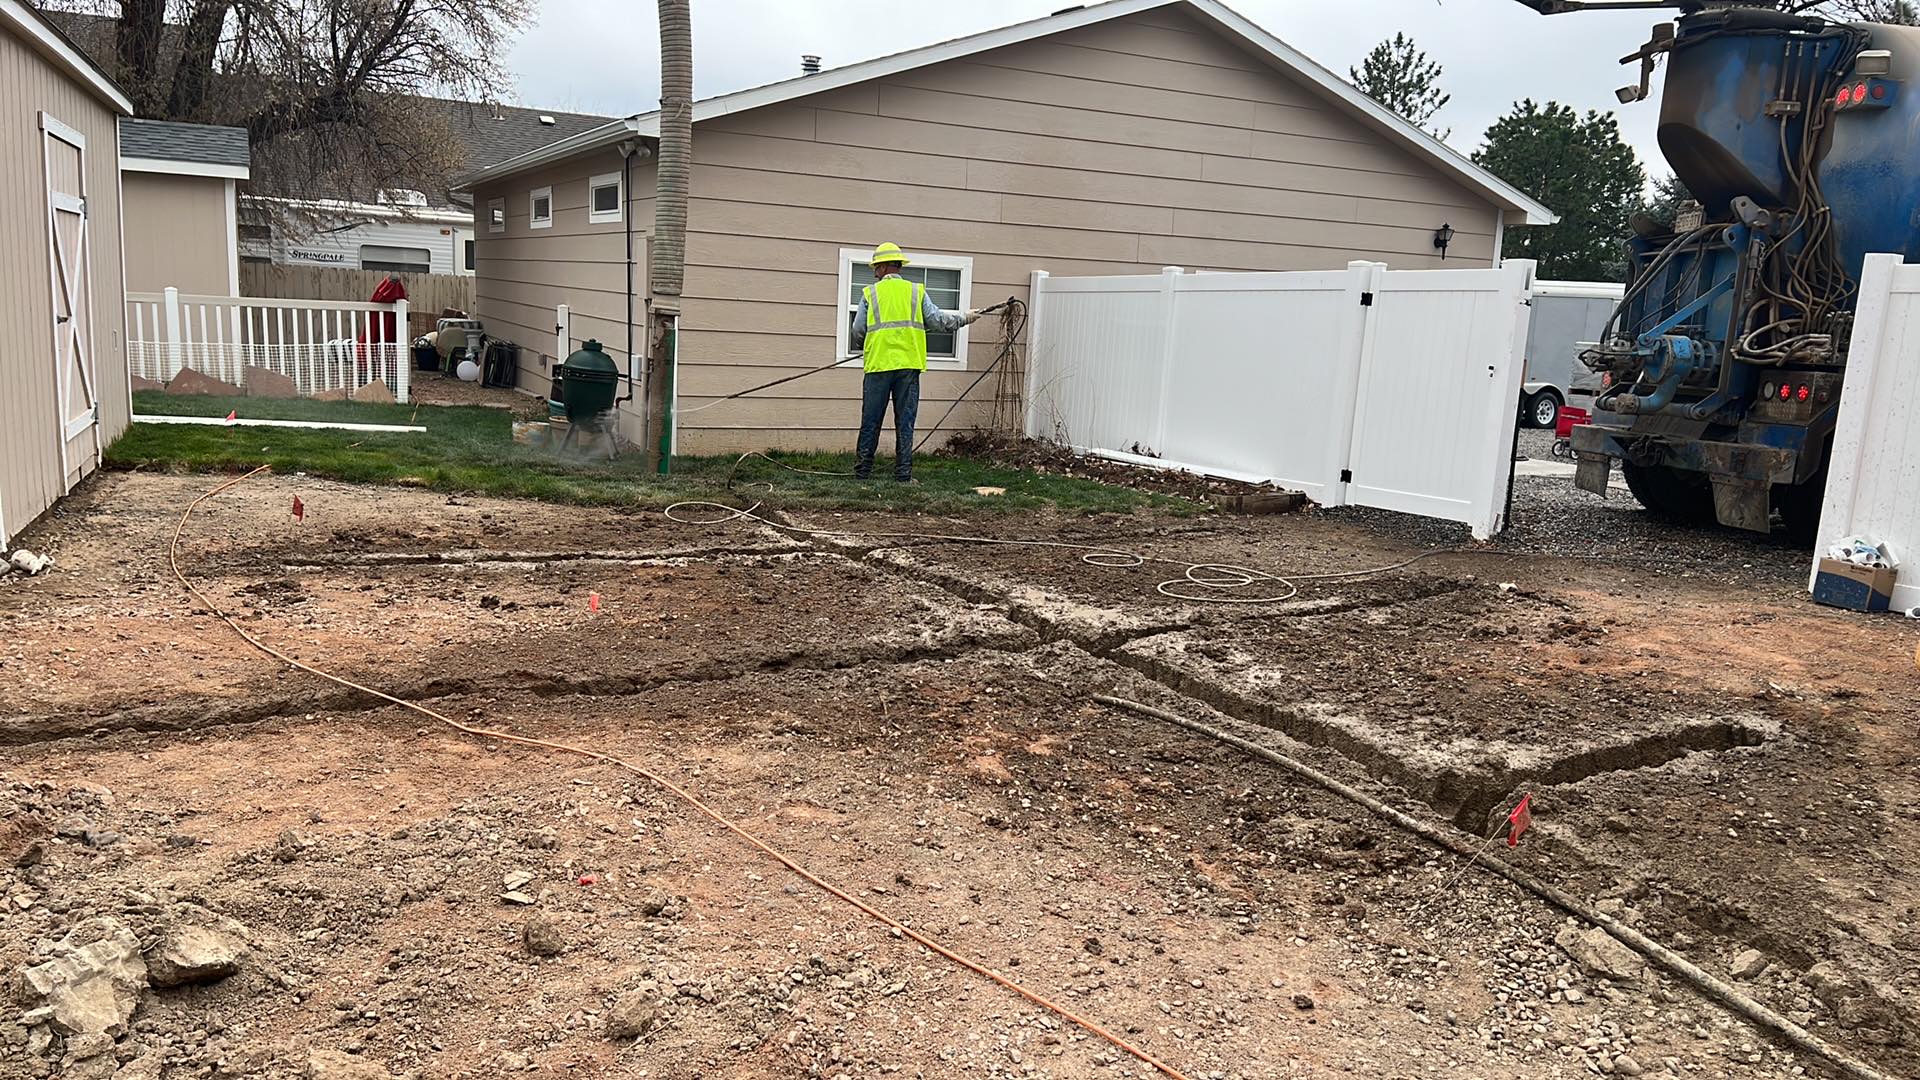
(1399, 76)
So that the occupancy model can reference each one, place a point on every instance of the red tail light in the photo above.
(1805, 392)
(1785, 391)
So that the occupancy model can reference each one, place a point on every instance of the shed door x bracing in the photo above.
(76, 382)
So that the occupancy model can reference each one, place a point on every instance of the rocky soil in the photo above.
(213, 866)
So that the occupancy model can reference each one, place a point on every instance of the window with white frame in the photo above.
(540, 208)
(949, 282)
(603, 198)
(496, 215)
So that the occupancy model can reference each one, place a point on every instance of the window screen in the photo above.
(542, 207)
(395, 260)
(469, 254)
(943, 288)
(606, 200)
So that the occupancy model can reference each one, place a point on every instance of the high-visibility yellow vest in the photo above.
(896, 327)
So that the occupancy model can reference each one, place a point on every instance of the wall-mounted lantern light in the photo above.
(1443, 236)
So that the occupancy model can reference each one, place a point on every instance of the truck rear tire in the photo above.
(1799, 506)
(1682, 497)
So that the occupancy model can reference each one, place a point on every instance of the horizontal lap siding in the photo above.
(523, 274)
(30, 476)
(1116, 148)
(1111, 149)
(177, 234)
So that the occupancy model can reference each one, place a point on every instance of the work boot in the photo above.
(905, 480)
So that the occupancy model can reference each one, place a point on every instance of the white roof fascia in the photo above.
(23, 19)
(591, 139)
(346, 208)
(184, 168)
(1276, 52)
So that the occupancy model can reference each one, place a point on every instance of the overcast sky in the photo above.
(602, 56)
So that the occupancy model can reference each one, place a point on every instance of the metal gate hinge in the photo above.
(1366, 299)
(1346, 476)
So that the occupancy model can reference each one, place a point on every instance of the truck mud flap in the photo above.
(1592, 473)
(1740, 504)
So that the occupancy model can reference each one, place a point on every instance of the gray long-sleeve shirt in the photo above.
(932, 317)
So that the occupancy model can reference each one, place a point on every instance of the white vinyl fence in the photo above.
(1873, 474)
(1377, 387)
(321, 345)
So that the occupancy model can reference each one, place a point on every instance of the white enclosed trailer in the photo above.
(1565, 314)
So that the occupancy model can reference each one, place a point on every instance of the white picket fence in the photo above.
(322, 345)
(1873, 473)
(1369, 386)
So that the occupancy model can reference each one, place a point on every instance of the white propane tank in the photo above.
(468, 371)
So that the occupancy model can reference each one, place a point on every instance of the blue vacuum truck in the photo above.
(1723, 366)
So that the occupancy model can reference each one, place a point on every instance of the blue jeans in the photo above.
(902, 387)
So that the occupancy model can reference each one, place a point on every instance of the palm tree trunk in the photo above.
(667, 253)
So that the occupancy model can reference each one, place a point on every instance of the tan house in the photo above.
(178, 189)
(1116, 138)
(63, 360)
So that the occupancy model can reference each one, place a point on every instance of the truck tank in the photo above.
(1726, 359)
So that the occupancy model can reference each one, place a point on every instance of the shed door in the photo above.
(76, 382)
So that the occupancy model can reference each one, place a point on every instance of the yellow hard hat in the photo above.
(888, 253)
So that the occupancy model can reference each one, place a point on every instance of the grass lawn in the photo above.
(470, 450)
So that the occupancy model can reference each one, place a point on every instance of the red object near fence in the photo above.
(1569, 419)
(382, 326)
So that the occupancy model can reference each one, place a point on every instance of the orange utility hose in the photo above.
(173, 560)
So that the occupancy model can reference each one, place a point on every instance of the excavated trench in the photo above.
(1466, 794)
(1469, 797)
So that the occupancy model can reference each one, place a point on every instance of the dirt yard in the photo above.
(268, 875)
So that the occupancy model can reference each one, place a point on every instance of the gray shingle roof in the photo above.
(171, 141)
(489, 133)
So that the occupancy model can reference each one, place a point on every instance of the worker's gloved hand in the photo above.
(971, 316)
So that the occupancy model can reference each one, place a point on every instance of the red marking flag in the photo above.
(593, 602)
(1518, 819)
(299, 509)
(232, 416)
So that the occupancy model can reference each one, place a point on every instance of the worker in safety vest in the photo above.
(890, 330)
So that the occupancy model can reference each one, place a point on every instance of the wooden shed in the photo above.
(63, 363)
(1114, 138)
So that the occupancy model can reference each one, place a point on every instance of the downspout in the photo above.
(627, 149)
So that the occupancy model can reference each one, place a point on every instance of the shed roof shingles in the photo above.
(167, 140)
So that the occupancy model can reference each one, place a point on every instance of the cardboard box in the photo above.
(1858, 588)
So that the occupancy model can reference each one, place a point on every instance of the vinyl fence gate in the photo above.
(1363, 386)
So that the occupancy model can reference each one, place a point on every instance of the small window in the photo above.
(603, 198)
(949, 282)
(255, 232)
(395, 260)
(540, 208)
(496, 215)
(468, 246)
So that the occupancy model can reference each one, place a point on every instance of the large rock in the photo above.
(268, 383)
(95, 984)
(188, 953)
(190, 381)
(542, 936)
(139, 384)
(376, 392)
(1601, 954)
(636, 1013)
(334, 1065)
